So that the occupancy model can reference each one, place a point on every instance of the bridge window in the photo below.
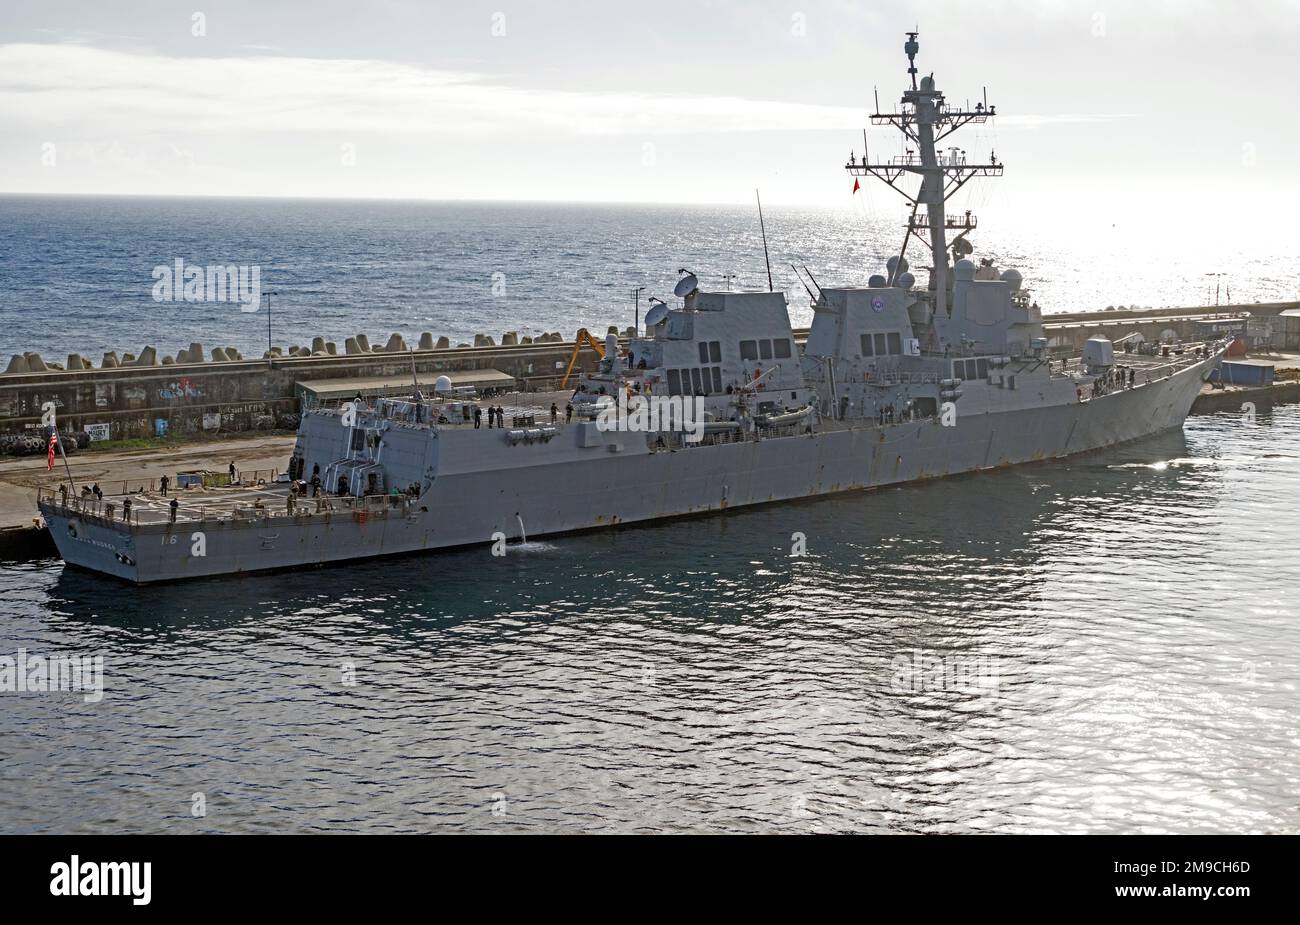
(749, 350)
(895, 342)
(765, 349)
(866, 346)
(882, 347)
(982, 368)
(710, 351)
(781, 348)
(702, 380)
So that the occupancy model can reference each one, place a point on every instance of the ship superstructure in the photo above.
(715, 406)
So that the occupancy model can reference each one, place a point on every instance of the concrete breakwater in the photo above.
(232, 395)
(32, 361)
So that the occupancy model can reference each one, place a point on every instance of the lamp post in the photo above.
(1218, 278)
(636, 309)
(268, 323)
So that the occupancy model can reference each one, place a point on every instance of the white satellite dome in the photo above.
(896, 263)
(656, 315)
(442, 384)
(876, 281)
(964, 269)
(905, 281)
(1014, 278)
(686, 285)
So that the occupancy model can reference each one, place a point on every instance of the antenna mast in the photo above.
(766, 259)
(926, 119)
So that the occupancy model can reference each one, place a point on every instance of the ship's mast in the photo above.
(925, 120)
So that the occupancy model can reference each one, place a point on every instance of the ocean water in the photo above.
(76, 273)
(1105, 644)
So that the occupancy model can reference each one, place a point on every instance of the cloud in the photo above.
(97, 90)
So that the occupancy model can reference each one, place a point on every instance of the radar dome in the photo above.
(442, 384)
(896, 263)
(877, 281)
(1014, 278)
(964, 269)
(905, 281)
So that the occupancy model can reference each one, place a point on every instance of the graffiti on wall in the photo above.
(181, 388)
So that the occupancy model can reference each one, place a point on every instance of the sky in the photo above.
(1169, 112)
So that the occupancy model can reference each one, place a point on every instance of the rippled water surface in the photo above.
(1106, 644)
(457, 269)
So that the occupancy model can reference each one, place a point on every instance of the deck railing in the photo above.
(111, 510)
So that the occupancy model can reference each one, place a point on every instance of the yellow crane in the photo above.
(582, 335)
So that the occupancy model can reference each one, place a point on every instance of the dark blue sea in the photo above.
(76, 273)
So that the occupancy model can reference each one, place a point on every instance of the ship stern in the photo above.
(90, 542)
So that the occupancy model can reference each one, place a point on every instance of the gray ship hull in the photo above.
(559, 488)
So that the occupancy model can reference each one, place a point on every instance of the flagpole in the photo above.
(68, 468)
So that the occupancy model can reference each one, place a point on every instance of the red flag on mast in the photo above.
(856, 185)
(49, 452)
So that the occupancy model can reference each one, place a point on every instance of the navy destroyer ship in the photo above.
(715, 406)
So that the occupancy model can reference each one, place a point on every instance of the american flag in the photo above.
(49, 452)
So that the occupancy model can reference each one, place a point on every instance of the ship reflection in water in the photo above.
(1100, 644)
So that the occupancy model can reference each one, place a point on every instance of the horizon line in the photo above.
(410, 199)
